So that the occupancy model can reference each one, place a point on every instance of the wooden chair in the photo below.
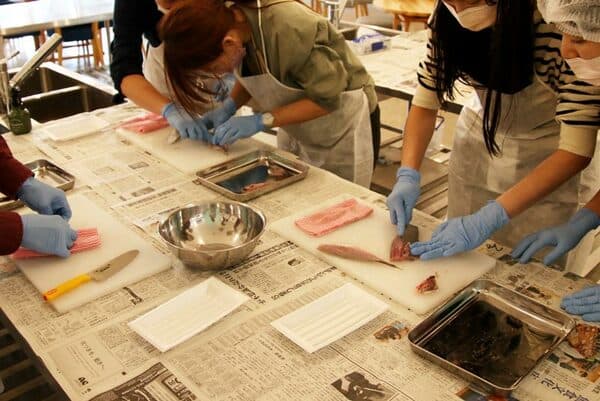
(86, 38)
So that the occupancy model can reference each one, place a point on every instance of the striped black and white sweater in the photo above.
(578, 105)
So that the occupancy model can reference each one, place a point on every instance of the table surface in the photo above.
(90, 350)
(38, 15)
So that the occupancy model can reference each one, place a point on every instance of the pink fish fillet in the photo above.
(254, 187)
(87, 238)
(427, 285)
(145, 124)
(400, 250)
(352, 253)
(334, 217)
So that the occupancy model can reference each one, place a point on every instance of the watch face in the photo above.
(268, 120)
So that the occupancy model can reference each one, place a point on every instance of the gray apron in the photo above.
(527, 134)
(340, 142)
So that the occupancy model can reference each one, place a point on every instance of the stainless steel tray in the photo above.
(46, 172)
(268, 169)
(490, 335)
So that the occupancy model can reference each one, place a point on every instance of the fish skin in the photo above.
(427, 285)
(400, 250)
(352, 253)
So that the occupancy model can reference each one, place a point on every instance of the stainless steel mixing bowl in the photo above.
(213, 235)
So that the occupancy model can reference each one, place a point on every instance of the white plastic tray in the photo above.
(187, 314)
(330, 317)
(74, 127)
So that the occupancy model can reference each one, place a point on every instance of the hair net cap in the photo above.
(574, 17)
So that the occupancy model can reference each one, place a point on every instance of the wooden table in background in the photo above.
(407, 11)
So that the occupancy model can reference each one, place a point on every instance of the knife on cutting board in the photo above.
(101, 273)
(411, 234)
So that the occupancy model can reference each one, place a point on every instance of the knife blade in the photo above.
(101, 273)
(411, 234)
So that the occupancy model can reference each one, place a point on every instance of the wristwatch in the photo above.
(268, 120)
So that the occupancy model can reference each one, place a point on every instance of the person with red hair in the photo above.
(292, 66)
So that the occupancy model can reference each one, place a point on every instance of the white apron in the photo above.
(527, 134)
(340, 142)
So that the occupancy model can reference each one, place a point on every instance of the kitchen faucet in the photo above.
(34, 62)
(335, 9)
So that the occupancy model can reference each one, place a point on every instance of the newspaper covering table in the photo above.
(94, 355)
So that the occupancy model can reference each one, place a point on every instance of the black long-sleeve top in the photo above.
(132, 19)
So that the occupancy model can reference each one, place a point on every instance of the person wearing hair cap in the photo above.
(579, 22)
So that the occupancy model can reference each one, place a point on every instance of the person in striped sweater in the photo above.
(579, 22)
(520, 141)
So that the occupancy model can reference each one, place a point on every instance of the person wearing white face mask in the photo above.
(293, 66)
(579, 22)
(519, 144)
(143, 82)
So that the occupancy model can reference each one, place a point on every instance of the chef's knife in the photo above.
(411, 234)
(100, 274)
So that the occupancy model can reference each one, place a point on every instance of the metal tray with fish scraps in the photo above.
(490, 335)
(46, 172)
(252, 175)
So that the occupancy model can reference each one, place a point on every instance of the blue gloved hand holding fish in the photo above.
(237, 128)
(462, 234)
(44, 199)
(404, 197)
(218, 116)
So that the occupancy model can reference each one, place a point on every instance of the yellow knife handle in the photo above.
(66, 286)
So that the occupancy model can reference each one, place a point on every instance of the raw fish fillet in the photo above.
(147, 123)
(428, 285)
(585, 339)
(352, 253)
(400, 250)
(254, 187)
(277, 172)
(333, 217)
(87, 238)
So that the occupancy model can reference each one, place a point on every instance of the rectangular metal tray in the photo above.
(490, 335)
(46, 172)
(231, 177)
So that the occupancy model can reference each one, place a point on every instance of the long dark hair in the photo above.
(498, 59)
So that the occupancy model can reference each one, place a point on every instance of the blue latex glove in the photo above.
(185, 124)
(404, 196)
(462, 233)
(563, 237)
(237, 128)
(585, 303)
(218, 116)
(47, 234)
(44, 199)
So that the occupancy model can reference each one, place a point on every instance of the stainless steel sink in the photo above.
(53, 92)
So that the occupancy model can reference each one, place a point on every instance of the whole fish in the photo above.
(400, 250)
(352, 253)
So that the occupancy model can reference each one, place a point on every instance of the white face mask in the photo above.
(475, 18)
(587, 70)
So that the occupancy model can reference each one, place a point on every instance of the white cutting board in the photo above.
(47, 272)
(187, 155)
(375, 234)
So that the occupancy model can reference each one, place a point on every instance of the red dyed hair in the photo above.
(192, 33)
